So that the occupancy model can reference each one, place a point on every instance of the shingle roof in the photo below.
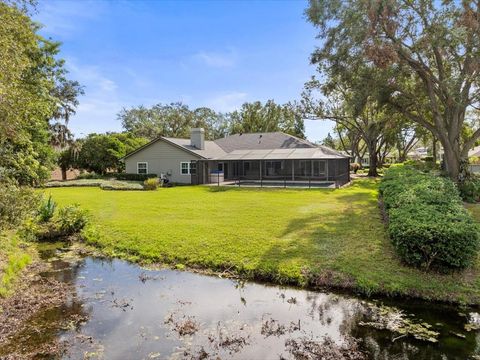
(255, 141)
(275, 145)
(211, 148)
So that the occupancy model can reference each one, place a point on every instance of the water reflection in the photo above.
(124, 311)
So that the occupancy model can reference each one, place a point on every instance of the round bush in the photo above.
(428, 238)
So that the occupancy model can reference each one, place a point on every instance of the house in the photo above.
(270, 157)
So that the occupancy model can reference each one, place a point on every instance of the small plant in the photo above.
(46, 210)
(71, 219)
(151, 184)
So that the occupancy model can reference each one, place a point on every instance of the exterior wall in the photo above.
(162, 157)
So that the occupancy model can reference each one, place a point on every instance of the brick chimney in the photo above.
(197, 138)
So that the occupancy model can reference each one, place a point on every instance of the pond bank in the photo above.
(116, 309)
(314, 238)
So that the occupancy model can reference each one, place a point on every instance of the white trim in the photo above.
(146, 167)
(188, 168)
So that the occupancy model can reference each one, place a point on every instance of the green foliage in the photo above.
(71, 219)
(16, 205)
(131, 177)
(470, 189)
(17, 258)
(46, 210)
(428, 225)
(419, 54)
(121, 185)
(102, 153)
(317, 237)
(151, 184)
(257, 117)
(176, 120)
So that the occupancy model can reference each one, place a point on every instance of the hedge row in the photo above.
(427, 223)
(118, 176)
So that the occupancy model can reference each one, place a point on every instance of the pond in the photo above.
(120, 310)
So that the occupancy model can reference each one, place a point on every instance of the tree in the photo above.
(427, 51)
(66, 93)
(329, 141)
(347, 100)
(101, 153)
(268, 117)
(171, 120)
(29, 72)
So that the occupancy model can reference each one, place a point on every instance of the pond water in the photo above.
(122, 311)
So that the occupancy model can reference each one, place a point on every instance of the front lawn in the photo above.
(314, 237)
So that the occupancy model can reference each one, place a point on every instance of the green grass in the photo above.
(13, 259)
(301, 237)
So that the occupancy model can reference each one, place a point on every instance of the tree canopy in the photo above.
(176, 120)
(425, 55)
(30, 74)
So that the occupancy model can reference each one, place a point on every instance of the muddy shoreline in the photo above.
(33, 293)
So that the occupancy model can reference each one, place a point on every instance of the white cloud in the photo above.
(225, 59)
(228, 101)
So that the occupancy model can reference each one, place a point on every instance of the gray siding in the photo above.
(161, 157)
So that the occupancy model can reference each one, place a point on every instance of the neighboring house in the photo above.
(247, 157)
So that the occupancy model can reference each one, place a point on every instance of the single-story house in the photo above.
(258, 157)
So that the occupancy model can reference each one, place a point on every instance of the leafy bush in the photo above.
(91, 175)
(71, 219)
(470, 189)
(428, 224)
(121, 185)
(46, 210)
(17, 203)
(131, 177)
(151, 184)
(69, 183)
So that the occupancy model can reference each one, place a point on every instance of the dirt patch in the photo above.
(32, 295)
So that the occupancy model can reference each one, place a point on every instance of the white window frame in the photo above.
(146, 167)
(188, 168)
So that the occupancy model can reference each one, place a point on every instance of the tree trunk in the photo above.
(372, 153)
(64, 174)
(434, 150)
(452, 161)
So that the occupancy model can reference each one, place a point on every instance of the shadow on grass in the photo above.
(321, 242)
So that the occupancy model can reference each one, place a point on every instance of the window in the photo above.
(185, 168)
(142, 168)
(193, 168)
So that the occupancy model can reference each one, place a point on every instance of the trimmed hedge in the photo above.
(427, 223)
(117, 176)
(132, 177)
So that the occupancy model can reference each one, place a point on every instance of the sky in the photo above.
(214, 53)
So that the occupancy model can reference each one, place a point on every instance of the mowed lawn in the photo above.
(302, 237)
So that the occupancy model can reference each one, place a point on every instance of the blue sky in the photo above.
(218, 54)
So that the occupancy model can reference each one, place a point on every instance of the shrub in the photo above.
(17, 203)
(71, 219)
(69, 183)
(428, 224)
(120, 185)
(151, 184)
(91, 175)
(132, 177)
(46, 210)
(470, 189)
